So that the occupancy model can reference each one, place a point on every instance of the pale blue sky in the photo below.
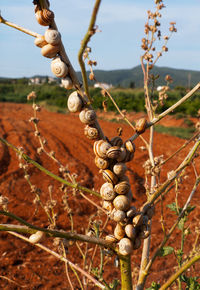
(116, 47)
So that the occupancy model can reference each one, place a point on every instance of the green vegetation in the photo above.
(184, 133)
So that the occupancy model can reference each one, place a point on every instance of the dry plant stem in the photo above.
(29, 160)
(93, 203)
(184, 267)
(167, 236)
(125, 268)
(11, 281)
(97, 283)
(84, 43)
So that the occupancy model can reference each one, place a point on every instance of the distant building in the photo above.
(103, 85)
(42, 80)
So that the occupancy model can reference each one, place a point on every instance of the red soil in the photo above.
(33, 268)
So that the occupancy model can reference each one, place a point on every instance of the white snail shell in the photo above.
(118, 215)
(100, 148)
(91, 132)
(74, 102)
(59, 68)
(113, 152)
(101, 163)
(37, 237)
(107, 192)
(131, 212)
(52, 36)
(119, 232)
(122, 187)
(87, 116)
(121, 202)
(67, 83)
(40, 41)
(125, 246)
(107, 205)
(49, 50)
(130, 231)
(119, 169)
(109, 176)
(110, 239)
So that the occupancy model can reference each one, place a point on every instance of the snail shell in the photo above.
(44, 17)
(136, 243)
(67, 83)
(140, 126)
(119, 169)
(114, 152)
(91, 132)
(107, 205)
(52, 36)
(118, 215)
(145, 232)
(107, 192)
(74, 102)
(122, 187)
(59, 68)
(87, 116)
(131, 212)
(119, 232)
(121, 202)
(110, 239)
(100, 148)
(130, 231)
(40, 41)
(49, 50)
(109, 176)
(129, 156)
(125, 247)
(137, 220)
(37, 237)
(122, 155)
(130, 146)
(116, 141)
(101, 163)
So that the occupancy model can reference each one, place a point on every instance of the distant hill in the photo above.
(124, 77)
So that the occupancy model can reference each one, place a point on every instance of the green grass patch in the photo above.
(184, 133)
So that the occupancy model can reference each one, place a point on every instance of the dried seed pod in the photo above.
(107, 205)
(67, 83)
(140, 126)
(119, 169)
(131, 212)
(52, 36)
(121, 202)
(74, 102)
(101, 163)
(122, 187)
(130, 146)
(118, 215)
(59, 68)
(91, 132)
(119, 232)
(87, 116)
(113, 152)
(40, 41)
(109, 176)
(37, 237)
(136, 243)
(100, 148)
(110, 239)
(107, 192)
(44, 17)
(122, 155)
(130, 231)
(49, 50)
(125, 247)
(116, 141)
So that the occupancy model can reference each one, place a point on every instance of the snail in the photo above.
(130, 146)
(131, 212)
(91, 132)
(122, 187)
(119, 169)
(129, 156)
(144, 232)
(59, 68)
(116, 141)
(118, 215)
(67, 83)
(49, 50)
(130, 231)
(136, 243)
(101, 163)
(119, 232)
(40, 41)
(52, 36)
(87, 116)
(140, 126)
(107, 205)
(100, 148)
(113, 152)
(74, 102)
(121, 202)
(110, 239)
(44, 17)
(125, 247)
(109, 176)
(122, 155)
(137, 220)
(107, 192)
(37, 237)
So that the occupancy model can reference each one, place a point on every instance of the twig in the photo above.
(97, 283)
(125, 268)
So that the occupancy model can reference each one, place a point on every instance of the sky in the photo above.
(117, 46)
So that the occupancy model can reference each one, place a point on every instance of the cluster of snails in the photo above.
(50, 45)
(111, 157)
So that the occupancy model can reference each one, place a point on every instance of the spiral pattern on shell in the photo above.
(49, 50)
(101, 163)
(52, 36)
(44, 17)
(100, 148)
(67, 83)
(59, 68)
(87, 116)
(91, 132)
(125, 246)
(74, 102)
